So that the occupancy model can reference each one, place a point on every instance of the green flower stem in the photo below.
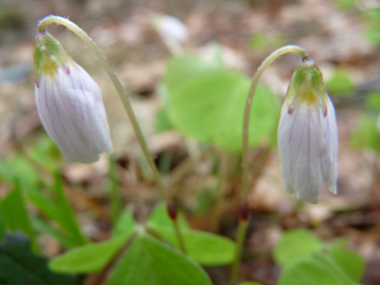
(244, 193)
(120, 90)
(242, 228)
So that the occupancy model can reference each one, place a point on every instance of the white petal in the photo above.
(299, 142)
(86, 94)
(72, 112)
(330, 149)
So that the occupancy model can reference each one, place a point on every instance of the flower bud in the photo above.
(69, 103)
(308, 135)
(172, 30)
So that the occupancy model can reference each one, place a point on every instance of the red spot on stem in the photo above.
(243, 211)
(172, 211)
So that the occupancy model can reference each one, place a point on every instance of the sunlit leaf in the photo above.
(309, 271)
(351, 262)
(294, 245)
(207, 103)
(124, 224)
(160, 217)
(14, 213)
(149, 262)
(205, 248)
(89, 258)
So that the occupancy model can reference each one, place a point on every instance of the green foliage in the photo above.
(310, 271)
(304, 258)
(66, 214)
(345, 5)
(250, 283)
(53, 203)
(205, 248)
(372, 18)
(14, 213)
(91, 257)
(46, 153)
(160, 218)
(294, 245)
(94, 257)
(350, 261)
(365, 135)
(207, 103)
(163, 122)
(340, 83)
(20, 266)
(124, 224)
(2, 227)
(149, 262)
(372, 102)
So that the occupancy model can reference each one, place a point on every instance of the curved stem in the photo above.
(247, 111)
(245, 150)
(118, 86)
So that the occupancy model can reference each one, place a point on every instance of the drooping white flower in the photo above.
(172, 31)
(69, 103)
(308, 135)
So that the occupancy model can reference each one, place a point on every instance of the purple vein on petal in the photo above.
(89, 123)
(60, 119)
(49, 117)
(291, 130)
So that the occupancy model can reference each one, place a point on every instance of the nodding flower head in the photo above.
(69, 103)
(308, 135)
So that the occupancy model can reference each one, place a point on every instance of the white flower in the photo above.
(172, 31)
(308, 136)
(69, 103)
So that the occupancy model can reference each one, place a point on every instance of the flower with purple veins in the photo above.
(308, 135)
(69, 103)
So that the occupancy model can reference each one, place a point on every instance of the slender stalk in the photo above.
(242, 227)
(115, 190)
(120, 90)
(220, 191)
(245, 150)
(181, 242)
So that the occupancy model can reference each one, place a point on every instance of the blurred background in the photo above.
(343, 38)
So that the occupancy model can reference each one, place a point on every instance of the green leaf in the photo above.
(340, 83)
(14, 212)
(365, 136)
(20, 266)
(149, 262)
(351, 262)
(160, 218)
(42, 227)
(2, 227)
(91, 257)
(162, 122)
(46, 153)
(124, 224)
(294, 245)
(207, 103)
(205, 248)
(309, 271)
(67, 216)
